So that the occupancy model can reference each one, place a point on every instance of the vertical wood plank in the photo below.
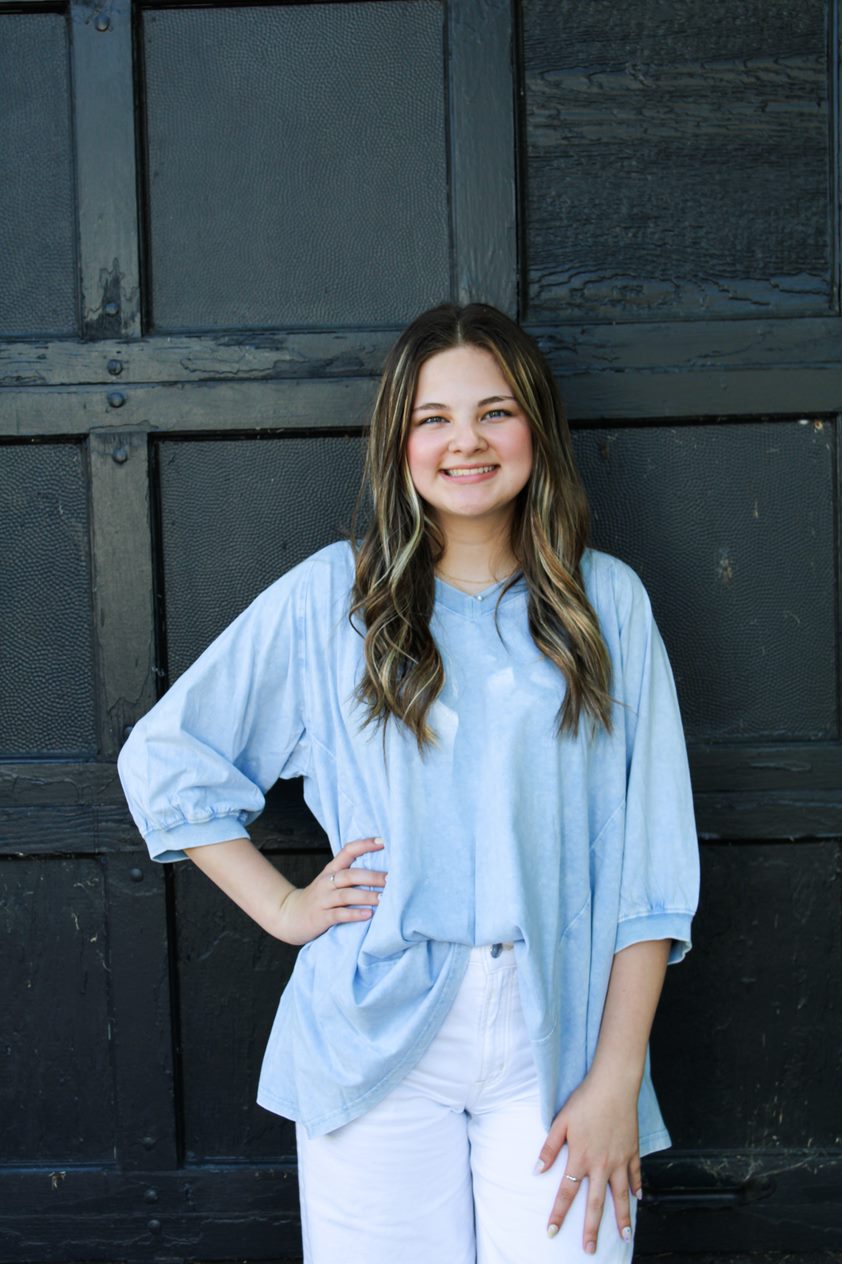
(482, 91)
(101, 53)
(837, 442)
(142, 1015)
(123, 583)
(835, 191)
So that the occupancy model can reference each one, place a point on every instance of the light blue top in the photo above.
(573, 848)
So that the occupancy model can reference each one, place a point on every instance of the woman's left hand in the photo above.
(599, 1124)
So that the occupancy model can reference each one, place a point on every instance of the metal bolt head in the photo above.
(120, 455)
(102, 23)
(111, 309)
(136, 875)
(116, 399)
(154, 1226)
(115, 367)
(150, 1195)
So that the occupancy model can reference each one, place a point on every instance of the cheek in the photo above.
(418, 455)
(521, 448)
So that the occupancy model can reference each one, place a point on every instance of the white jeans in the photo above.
(441, 1171)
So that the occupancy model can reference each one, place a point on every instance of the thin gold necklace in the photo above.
(461, 580)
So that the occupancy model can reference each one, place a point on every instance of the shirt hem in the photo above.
(335, 1118)
(654, 1141)
(168, 844)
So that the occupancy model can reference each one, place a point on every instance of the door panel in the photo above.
(679, 160)
(732, 529)
(46, 645)
(237, 513)
(301, 148)
(39, 290)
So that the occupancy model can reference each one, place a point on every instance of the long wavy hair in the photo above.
(394, 587)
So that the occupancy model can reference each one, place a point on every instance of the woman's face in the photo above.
(469, 448)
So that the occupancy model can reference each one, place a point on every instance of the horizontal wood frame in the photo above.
(197, 1212)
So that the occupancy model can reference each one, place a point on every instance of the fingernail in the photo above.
(538, 1168)
(380, 841)
(590, 1247)
(627, 1233)
(638, 1193)
(552, 1230)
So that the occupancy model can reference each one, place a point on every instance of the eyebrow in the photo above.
(492, 399)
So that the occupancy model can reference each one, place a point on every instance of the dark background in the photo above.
(213, 222)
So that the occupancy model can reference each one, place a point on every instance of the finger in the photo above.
(567, 1191)
(636, 1177)
(355, 877)
(619, 1184)
(593, 1212)
(556, 1138)
(354, 895)
(348, 915)
(351, 851)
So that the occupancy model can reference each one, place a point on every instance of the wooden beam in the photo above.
(121, 553)
(482, 93)
(343, 404)
(103, 93)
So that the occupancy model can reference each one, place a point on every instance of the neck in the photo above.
(474, 556)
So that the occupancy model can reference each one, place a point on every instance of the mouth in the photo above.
(468, 471)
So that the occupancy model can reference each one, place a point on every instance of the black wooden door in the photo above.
(213, 221)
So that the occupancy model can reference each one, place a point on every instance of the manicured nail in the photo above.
(627, 1233)
(638, 1193)
(590, 1247)
(538, 1168)
(552, 1230)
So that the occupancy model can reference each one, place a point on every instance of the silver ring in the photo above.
(331, 877)
(575, 1179)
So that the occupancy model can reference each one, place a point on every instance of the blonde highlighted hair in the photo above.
(394, 588)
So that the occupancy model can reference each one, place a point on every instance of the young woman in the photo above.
(485, 719)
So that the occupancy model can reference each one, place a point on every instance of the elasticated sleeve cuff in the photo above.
(167, 845)
(674, 926)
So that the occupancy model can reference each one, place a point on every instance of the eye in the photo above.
(426, 420)
(497, 412)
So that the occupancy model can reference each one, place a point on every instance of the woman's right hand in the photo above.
(332, 896)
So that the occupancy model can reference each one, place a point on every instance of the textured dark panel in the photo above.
(238, 513)
(231, 978)
(46, 655)
(746, 1049)
(37, 216)
(731, 528)
(297, 164)
(56, 1099)
(677, 158)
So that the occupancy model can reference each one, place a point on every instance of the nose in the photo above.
(466, 437)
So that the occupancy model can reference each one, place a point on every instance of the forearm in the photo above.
(246, 877)
(634, 988)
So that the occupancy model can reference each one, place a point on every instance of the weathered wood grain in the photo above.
(678, 159)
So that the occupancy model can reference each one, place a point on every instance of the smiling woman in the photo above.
(468, 458)
(514, 860)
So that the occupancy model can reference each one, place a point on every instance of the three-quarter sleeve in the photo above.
(195, 769)
(660, 870)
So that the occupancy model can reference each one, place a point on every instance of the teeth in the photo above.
(479, 469)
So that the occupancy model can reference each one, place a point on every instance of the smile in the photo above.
(469, 471)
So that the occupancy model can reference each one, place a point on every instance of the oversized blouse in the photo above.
(570, 847)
